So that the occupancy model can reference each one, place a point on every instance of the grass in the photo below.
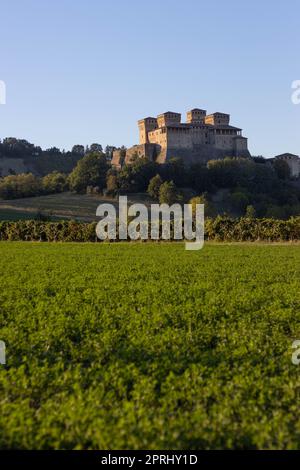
(14, 214)
(64, 206)
(149, 346)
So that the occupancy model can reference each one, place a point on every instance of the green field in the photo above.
(60, 206)
(149, 346)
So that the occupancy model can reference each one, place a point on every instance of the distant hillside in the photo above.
(9, 166)
(61, 206)
(40, 166)
(20, 156)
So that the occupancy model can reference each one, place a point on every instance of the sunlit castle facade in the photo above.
(201, 138)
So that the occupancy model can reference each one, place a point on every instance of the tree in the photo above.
(96, 148)
(231, 172)
(53, 151)
(136, 176)
(90, 171)
(199, 178)
(109, 149)
(250, 212)
(282, 169)
(142, 172)
(239, 201)
(55, 182)
(17, 186)
(112, 184)
(154, 186)
(203, 199)
(174, 170)
(78, 150)
(168, 193)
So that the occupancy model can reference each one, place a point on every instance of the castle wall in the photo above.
(179, 137)
(159, 136)
(146, 126)
(148, 151)
(200, 136)
(225, 142)
(118, 159)
(241, 147)
(293, 162)
(294, 166)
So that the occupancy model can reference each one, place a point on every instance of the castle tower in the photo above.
(146, 125)
(168, 119)
(196, 116)
(218, 119)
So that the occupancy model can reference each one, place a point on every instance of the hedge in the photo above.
(218, 229)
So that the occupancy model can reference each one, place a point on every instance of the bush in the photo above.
(168, 193)
(55, 182)
(218, 229)
(90, 171)
(208, 206)
(154, 186)
(112, 184)
(18, 186)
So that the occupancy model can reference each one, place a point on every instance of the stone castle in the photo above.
(201, 138)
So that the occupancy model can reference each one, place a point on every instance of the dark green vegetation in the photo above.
(149, 346)
(245, 229)
(32, 158)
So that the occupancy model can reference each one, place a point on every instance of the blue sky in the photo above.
(85, 71)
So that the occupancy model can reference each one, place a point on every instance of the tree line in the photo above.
(234, 186)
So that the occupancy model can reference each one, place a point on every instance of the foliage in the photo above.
(41, 161)
(154, 186)
(90, 171)
(112, 183)
(203, 199)
(136, 176)
(250, 212)
(18, 186)
(239, 200)
(282, 169)
(168, 193)
(78, 150)
(223, 229)
(199, 178)
(136, 346)
(95, 148)
(28, 185)
(55, 182)
(174, 170)
(18, 148)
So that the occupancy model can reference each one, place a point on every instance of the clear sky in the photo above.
(79, 72)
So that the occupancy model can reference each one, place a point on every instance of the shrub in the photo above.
(168, 193)
(17, 186)
(55, 182)
(154, 186)
(90, 171)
